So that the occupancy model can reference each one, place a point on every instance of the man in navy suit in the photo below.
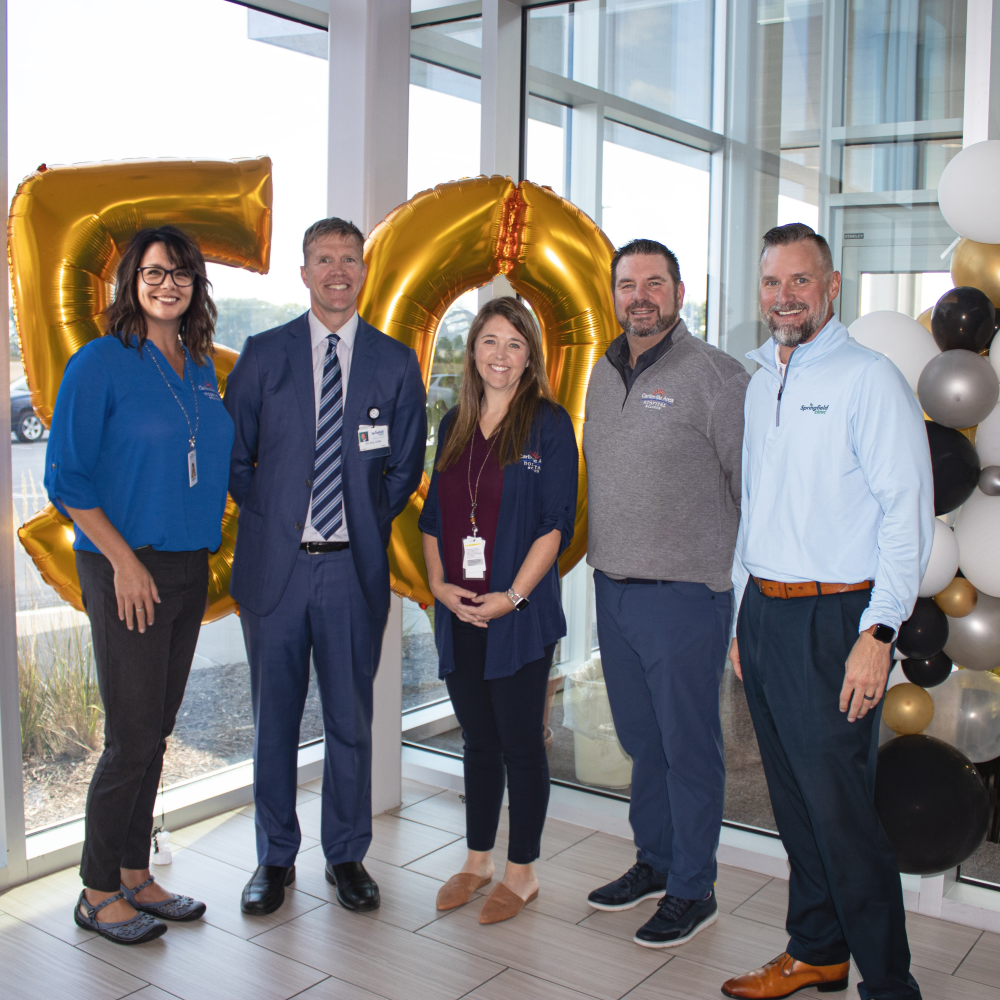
(331, 428)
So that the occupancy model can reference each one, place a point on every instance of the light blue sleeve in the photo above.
(81, 409)
(890, 441)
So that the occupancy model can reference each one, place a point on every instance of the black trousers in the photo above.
(142, 677)
(502, 725)
(844, 893)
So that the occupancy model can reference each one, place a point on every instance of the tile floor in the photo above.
(558, 949)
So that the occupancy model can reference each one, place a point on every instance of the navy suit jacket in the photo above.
(271, 397)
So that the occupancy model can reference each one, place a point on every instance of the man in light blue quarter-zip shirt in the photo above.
(837, 519)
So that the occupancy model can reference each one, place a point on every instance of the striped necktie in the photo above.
(327, 490)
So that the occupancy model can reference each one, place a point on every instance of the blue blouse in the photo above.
(539, 496)
(119, 441)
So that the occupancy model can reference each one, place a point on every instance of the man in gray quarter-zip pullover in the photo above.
(663, 442)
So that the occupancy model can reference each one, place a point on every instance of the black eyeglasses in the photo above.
(183, 276)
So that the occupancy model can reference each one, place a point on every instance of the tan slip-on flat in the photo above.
(502, 904)
(458, 890)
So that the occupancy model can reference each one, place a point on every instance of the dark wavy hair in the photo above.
(125, 316)
(533, 389)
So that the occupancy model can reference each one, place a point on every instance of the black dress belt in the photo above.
(314, 548)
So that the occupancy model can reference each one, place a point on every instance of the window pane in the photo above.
(905, 60)
(223, 47)
(897, 166)
(636, 164)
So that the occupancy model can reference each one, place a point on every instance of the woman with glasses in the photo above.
(138, 457)
(500, 509)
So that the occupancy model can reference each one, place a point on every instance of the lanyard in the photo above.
(192, 431)
(474, 498)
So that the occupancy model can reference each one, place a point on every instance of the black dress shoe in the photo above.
(356, 889)
(265, 891)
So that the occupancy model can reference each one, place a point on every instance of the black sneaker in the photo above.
(676, 921)
(638, 883)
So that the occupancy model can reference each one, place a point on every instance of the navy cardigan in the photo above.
(539, 496)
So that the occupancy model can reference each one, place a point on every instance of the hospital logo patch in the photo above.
(210, 391)
(812, 408)
(656, 400)
(532, 461)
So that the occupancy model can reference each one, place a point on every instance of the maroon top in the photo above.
(455, 506)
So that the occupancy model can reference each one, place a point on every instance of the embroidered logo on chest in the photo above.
(532, 461)
(656, 400)
(210, 391)
(813, 408)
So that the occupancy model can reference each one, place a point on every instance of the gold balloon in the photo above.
(977, 265)
(907, 709)
(461, 235)
(924, 319)
(958, 599)
(66, 231)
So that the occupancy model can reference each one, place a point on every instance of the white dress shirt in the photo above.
(345, 348)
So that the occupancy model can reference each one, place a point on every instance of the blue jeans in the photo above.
(663, 649)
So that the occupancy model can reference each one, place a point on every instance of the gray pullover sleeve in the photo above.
(726, 430)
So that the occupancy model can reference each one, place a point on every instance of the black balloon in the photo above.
(925, 632)
(955, 465)
(932, 803)
(965, 319)
(930, 672)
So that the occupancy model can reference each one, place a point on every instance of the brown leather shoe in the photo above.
(458, 890)
(783, 976)
(502, 904)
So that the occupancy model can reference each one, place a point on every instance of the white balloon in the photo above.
(995, 355)
(967, 714)
(988, 439)
(968, 194)
(904, 341)
(977, 530)
(944, 561)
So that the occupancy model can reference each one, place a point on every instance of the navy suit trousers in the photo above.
(663, 649)
(844, 893)
(322, 612)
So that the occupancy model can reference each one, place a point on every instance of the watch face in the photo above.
(521, 604)
(883, 633)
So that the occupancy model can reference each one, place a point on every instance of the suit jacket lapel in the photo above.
(364, 362)
(298, 345)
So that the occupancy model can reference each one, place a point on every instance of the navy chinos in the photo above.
(844, 893)
(663, 651)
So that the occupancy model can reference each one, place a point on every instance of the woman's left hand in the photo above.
(491, 606)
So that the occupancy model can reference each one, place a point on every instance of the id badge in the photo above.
(192, 468)
(372, 437)
(473, 558)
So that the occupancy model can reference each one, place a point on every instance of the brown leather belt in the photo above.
(775, 588)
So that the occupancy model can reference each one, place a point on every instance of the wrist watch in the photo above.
(883, 633)
(519, 602)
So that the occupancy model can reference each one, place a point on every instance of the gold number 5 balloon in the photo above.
(67, 228)
(461, 235)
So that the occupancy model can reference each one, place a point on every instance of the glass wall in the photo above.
(445, 61)
(220, 51)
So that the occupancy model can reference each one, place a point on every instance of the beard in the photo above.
(791, 335)
(657, 326)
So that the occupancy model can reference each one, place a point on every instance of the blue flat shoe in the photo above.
(138, 929)
(175, 908)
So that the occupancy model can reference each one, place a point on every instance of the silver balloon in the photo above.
(967, 714)
(974, 641)
(958, 388)
(989, 480)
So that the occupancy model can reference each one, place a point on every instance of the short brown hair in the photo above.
(512, 433)
(648, 248)
(125, 316)
(798, 232)
(330, 227)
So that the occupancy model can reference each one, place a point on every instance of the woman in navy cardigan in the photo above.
(500, 509)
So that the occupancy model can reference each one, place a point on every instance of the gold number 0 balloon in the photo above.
(461, 235)
(67, 228)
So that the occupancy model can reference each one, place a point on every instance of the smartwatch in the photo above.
(519, 602)
(883, 633)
